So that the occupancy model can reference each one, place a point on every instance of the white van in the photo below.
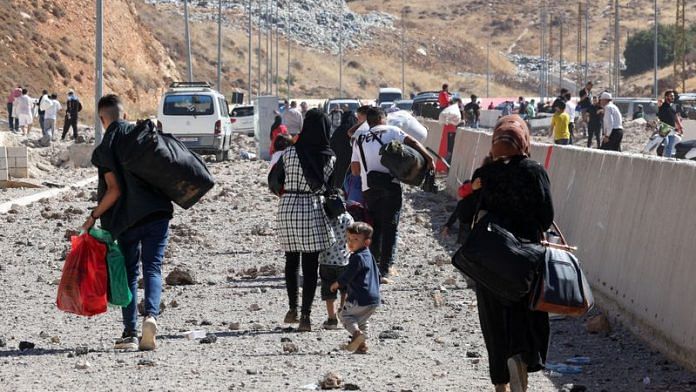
(389, 94)
(243, 119)
(198, 116)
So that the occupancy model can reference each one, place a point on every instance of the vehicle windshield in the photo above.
(242, 112)
(188, 105)
(389, 97)
(352, 106)
(404, 105)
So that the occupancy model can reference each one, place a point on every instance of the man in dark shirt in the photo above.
(138, 216)
(72, 107)
(472, 112)
(668, 115)
(595, 114)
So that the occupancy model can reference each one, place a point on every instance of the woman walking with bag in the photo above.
(517, 191)
(303, 227)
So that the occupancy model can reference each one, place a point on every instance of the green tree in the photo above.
(639, 49)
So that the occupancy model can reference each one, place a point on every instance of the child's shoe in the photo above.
(356, 342)
(331, 324)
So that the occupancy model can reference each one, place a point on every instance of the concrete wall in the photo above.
(631, 218)
(14, 163)
(4, 172)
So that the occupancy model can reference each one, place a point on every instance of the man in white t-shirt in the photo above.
(292, 118)
(51, 107)
(382, 192)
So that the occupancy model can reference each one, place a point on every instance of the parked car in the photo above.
(425, 105)
(386, 105)
(242, 118)
(198, 116)
(404, 104)
(353, 104)
(628, 106)
(686, 104)
(389, 94)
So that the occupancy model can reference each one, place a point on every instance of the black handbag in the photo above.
(276, 178)
(499, 261)
(561, 286)
(334, 204)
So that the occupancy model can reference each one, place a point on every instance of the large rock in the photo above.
(180, 277)
(598, 324)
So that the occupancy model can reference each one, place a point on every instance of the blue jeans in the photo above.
(384, 207)
(670, 141)
(144, 244)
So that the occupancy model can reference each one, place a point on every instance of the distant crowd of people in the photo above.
(23, 111)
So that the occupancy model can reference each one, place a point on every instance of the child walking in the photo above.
(332, 263)
(361, 280)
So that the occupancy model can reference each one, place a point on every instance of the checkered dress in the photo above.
(302, 224)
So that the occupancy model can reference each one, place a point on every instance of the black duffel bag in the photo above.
(499, 261)
(404, 162)
(163, 162)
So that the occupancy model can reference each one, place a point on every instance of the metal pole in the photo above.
(541, 53)
(258, 52)
(488, 69)
(188, 41)
(403, 50)
(219, 48)
(287, 29)
(560, 53)
(98, 72)
(587, 38)
(249, 98)
(655, 87)
(277, 51)
(269, 55)
(340, 51)
(617, 49)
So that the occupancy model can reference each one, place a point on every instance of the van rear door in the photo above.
(188, 114)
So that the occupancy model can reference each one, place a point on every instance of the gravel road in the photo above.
(426, 337)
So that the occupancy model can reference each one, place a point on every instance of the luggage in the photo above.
(119, 293)
(165, 163)
(496, 259)
(276, 178)
(451, 115)
(404, 162)
(408, 124)
(83, 283)
(561, 286)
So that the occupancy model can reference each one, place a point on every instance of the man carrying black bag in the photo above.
(381, 190)
(138, 215)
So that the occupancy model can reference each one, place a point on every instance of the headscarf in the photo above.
(313, 147)
(341, 146)
(276, 122)
(510, 137)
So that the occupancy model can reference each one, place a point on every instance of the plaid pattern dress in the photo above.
(302, 224)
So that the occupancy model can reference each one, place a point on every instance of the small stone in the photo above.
(475, 361)
(285, 340)
(82, 365)
(55, 339)
(82, 350)
(252, 371)
(146, 362)
(439, 340)
(257, 327)
(451, 281)
(234, 326)
(598, 324)
(389, 335)
(254, 308)
(180, 277)
(573, 388)
(174, 304)
(23, 345)
(206, 323)
(350, 387)
(209, 338)
(3, 341)
(44, 335)
(438, 299)
(473, 354)
(290, 347)
(331, 380)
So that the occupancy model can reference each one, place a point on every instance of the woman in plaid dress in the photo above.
(303, 228)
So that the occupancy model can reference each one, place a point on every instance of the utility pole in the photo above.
(587, 39)
(488, 68)
(617, 49)
(655, 87)
(287, 29)
(542, 59)
(340, 51)
(219, 48)
(188, 41)
(403, 49)
(249, 98)
(560, 52)
(258, 51)
(98, 71)
(680, 46)
(277, 50)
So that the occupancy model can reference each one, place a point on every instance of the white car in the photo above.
(198, 116)
(243, 119)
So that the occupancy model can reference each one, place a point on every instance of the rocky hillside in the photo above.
(49, 44)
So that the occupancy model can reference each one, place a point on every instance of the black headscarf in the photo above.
(313, 147)
(276, 123)
(340, 144)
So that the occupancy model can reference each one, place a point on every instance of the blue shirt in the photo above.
(361, 278)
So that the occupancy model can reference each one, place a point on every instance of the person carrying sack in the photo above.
(516, 190)
(382, 192)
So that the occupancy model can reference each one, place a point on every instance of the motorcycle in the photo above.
(657, 139)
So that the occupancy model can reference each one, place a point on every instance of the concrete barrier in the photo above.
(4, 170)
(17, 162)
(630, 217)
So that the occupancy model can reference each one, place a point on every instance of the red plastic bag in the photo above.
(83, 285)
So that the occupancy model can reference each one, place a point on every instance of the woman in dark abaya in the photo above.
(517, 190)
(341, 145)
(303, 228)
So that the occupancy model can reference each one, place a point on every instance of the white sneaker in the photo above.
(149, 341)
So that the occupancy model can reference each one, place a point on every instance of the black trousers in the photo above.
(70, 122)
(596, 133)
(384, 206)
(310, 271)
(614, 143)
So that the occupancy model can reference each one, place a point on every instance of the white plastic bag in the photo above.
(408, 124)
(450, 115)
